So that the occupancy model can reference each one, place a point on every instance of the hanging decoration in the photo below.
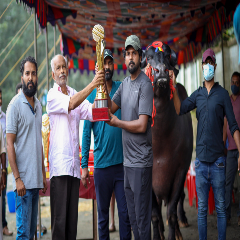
(186, 26)
(47, 13)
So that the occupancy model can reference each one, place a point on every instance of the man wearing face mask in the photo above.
(108, 161)
(232, 154)
(212, 103)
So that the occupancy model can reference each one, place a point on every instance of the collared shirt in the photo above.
(28, 143)
(108, 149)
(64, 135)
(211, 109)
(236, 110)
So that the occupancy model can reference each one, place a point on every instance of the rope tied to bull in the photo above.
(149, 72)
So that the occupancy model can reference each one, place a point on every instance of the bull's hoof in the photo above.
(162, 237)
(178, 235)
(183, 224)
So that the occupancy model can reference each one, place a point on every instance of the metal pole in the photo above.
(54, 35)
(184, 80)
(35, 36)
(196, 72)
(39, 217)
(46, 44)
(223, 60)
(35, 40)
(35, 56)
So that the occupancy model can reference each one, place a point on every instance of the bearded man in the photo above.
(65, 108)
(135, 99)
(24, 146)
(108, 161)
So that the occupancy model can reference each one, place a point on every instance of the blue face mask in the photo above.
(235, 89)
(208, 72)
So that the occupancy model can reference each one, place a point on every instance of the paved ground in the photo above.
(85, 221)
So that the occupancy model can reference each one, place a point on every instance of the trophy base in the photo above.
(100, 114)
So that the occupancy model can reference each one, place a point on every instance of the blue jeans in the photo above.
(211, 174)
(26, 214)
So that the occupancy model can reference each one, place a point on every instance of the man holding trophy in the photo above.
(65, 108)
(108, 162)
(135, 99)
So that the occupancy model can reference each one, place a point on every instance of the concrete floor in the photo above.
(85, 221)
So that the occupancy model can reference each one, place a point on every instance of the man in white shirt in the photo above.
(65, 108)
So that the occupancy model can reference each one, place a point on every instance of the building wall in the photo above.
(192, 77)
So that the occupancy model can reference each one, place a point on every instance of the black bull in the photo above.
(172, 139)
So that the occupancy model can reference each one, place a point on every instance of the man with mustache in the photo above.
(65, 108)
(108, 161)
(135, 98)
(24, 146)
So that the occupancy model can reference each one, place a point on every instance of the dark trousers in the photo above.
(64, 195)
(231, 169)
(106, 181)
(138, 191)
(4, 221)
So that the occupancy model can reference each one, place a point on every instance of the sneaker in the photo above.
(6, 232)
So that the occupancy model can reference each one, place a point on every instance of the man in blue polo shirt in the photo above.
(213, 103)
(108, 162)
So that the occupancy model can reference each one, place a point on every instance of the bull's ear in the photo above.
(143, 62)
(173, 59)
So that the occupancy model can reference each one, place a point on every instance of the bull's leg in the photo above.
(172, 220)
(157, 222)
(161, 225)
(174, 232)
(182, 219)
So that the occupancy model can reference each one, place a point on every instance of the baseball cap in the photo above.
(133, 41)
(107, 53)
(209, 53)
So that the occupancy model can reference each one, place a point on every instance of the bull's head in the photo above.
(162, 59)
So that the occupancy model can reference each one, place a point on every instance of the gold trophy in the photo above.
(45, 137)
(100, 112)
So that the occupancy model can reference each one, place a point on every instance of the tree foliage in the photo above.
(11, 22)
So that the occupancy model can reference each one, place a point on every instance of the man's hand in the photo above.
(21, 190)
(173, 77)
(84, 177)
(113, 119)
(96, 67)
(3, 180)
(44, 185)
(99, 78)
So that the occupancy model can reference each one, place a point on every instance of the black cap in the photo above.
(107, 53)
